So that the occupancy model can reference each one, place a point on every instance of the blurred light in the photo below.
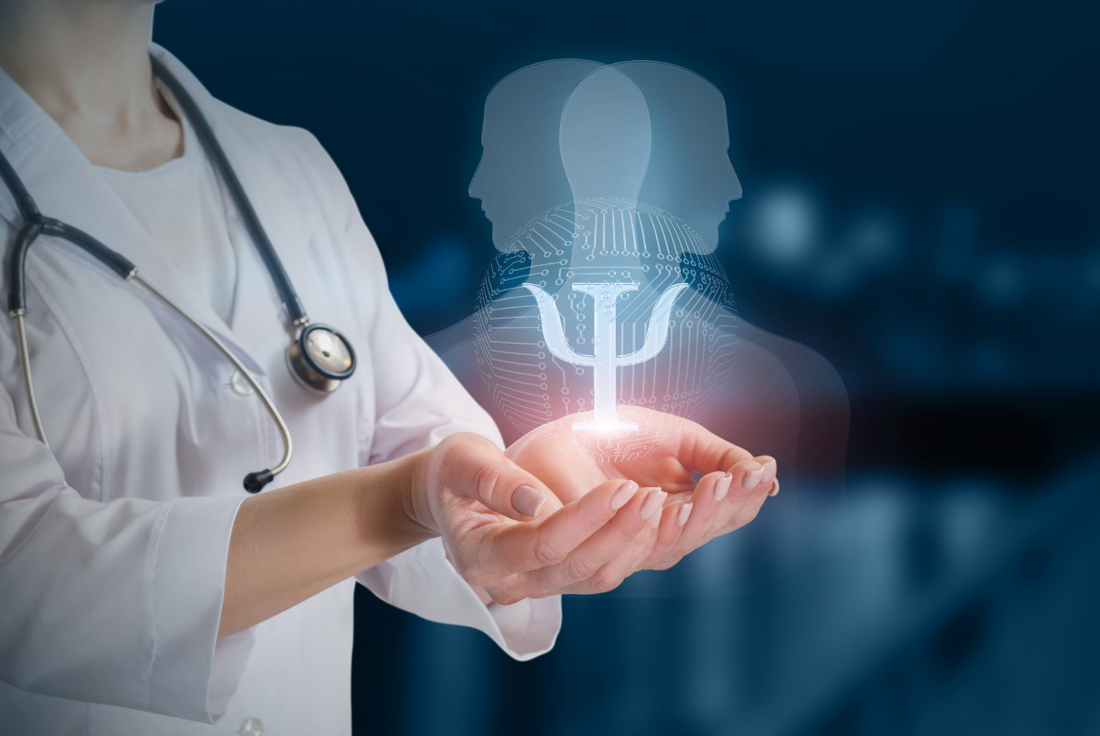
(1001, 282)
(875, 239)
(880, 509)
(871, 245)
(970, 511)
(785, 225)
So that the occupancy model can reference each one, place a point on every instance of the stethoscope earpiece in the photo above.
(320, 359)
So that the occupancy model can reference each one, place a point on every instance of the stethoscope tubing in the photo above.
(43, 226)
(28, 379)
(244, 205)
(35, 225)
(288, 444)
(23, 200)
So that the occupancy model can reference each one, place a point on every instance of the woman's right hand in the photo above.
(468, 492)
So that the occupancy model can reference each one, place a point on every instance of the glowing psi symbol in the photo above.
(605, 361)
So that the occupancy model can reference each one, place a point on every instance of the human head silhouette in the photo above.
(568, 130)
(690, 174)
(605, 137)
(520, 174)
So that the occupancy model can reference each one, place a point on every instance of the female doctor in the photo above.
(144, 590)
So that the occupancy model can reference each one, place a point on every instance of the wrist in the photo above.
(414, 492)
(482, 593)
(387, 507)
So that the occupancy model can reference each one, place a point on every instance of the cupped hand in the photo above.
(506, 532)
(731, 492)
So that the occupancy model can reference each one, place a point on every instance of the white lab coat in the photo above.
(113, 547)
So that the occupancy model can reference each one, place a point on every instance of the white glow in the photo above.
(785, 226)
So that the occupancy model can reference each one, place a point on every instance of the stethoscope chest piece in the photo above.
(320, 359)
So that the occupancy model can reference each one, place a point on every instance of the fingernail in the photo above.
(683, 514)
(625, 493)
(752, 478)
(656, 521)
(528, 501)
(769, 470)
(653, 503)
(775, 490)
(722, 487)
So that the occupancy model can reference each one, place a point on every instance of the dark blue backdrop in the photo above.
(921, 206)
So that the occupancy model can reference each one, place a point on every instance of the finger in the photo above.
(756, 481)
(722, 502)
(772, 469)
(602, 547)
(702, 451)
(606, 559)
(629, 561)
(521, 547)
(712, 507)
(706, 503)
(672, 526)
(745, 514)
(762, 477)
(475, 467)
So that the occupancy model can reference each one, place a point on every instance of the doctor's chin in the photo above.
(549, 369)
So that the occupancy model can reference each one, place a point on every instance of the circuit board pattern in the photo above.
(604, 240)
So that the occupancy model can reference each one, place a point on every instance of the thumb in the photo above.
(473, 466)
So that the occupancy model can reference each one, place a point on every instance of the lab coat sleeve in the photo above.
(418, 402)
(423, 581)
(115, 603)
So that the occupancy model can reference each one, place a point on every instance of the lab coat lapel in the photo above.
(66, 186)
(251, 324)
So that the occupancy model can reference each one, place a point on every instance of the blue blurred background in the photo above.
(921, 206)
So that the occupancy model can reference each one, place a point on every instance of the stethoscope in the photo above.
(319, 358)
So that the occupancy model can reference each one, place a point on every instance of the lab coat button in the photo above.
(251, 727)
(241, 387)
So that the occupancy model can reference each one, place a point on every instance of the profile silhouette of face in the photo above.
(520, 174)
(571, 129)
(690, 174)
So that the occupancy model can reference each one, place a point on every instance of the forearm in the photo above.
(289, 544)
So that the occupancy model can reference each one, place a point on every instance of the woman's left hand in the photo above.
(734, 486)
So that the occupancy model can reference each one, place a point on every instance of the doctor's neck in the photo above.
(87, 65)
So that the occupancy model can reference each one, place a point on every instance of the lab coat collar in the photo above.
(66, 186)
